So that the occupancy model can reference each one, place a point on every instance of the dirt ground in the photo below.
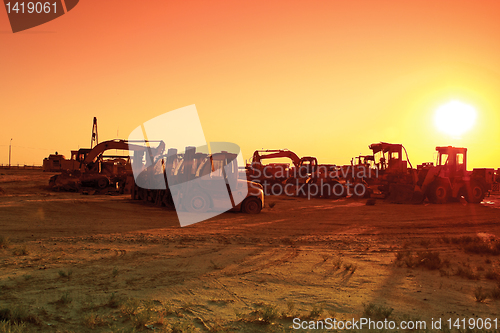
(99, 263)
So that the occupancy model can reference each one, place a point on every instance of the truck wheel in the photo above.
(251, 205)
(197, 202)
(102, 183)
(439, 192)
(475, 192)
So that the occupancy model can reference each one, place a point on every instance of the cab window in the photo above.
(217, 166)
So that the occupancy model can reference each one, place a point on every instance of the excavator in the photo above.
(99, 171)
(274, 173)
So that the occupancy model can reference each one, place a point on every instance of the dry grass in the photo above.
(492, 275)
(64, 300)
(20, 251)
(4, 242)
(480, 295)
(18, 315)
(65, 274)
(427, 259)
(495, 293)
(376, 312)
(476, 245)
(93, 320)
(466, 271)
(264, 313)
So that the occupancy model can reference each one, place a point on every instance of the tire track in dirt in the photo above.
(266, 260)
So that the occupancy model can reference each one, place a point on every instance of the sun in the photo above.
(455, 118)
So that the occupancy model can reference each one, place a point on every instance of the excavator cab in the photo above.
(308, 164)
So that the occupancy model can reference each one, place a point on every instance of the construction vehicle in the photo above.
(392, 175)
(273, 173)
(100, 171)
(198, 182)
(56, 162)
(496, 183)
(449, 179)
(305, 177)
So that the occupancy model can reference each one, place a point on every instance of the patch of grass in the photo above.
(337, 263)
(428, 259)
(495, 293)
(480, 295)
(466, 272)
(18, 315)
(290, 311)
(221, 301)
(146, 313)
(20, 251)
(64, 300)
(465, 240)
(130, 307)
(93, 320)
(143, 317)
(215, 266)
(316, 312)
(65, 274)
(27, 277)
(264, 313)
(115, 272)
(114, 301)
(8, 327)
(376, 312)
(4, 242)
(182, 327)
(483, 248)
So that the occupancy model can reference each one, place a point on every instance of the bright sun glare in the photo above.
(455, 118)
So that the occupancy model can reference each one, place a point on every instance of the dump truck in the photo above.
(192, 182)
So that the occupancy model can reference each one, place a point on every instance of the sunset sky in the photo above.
(322, 78)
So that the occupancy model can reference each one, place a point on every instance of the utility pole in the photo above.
(10, 149)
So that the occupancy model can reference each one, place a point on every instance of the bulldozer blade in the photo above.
(404, 194)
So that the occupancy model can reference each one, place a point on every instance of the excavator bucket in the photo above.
(404, 194)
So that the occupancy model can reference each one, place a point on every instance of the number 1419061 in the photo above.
(31, 7)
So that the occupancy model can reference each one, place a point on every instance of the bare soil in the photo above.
(99, 263)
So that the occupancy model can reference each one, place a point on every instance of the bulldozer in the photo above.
(198, 182)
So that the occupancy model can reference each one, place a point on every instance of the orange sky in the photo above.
(322, 78)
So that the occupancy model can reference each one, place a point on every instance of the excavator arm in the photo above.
(122, 145)
(257, 157)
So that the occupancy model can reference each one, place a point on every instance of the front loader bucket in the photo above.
(404, 194)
